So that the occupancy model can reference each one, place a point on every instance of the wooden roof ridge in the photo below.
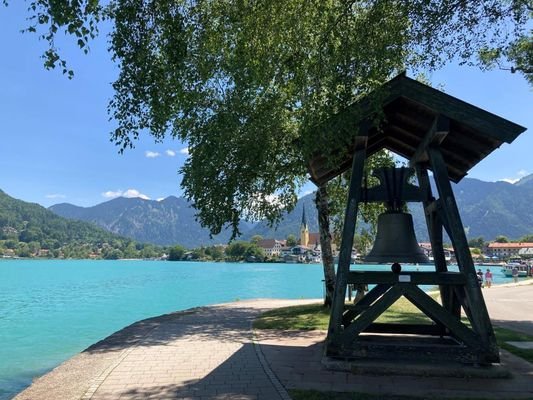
(454, 107)
(408, 109)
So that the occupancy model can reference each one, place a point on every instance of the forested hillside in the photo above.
(28, 229)
(166, 222)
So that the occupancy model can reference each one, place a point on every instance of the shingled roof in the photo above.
(407, 109)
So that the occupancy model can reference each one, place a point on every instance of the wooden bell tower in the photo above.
(438, 133)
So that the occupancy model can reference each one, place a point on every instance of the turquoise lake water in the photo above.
(51, 310)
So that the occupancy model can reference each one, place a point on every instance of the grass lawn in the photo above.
(315, 316)
(316, 395)
(506, 335)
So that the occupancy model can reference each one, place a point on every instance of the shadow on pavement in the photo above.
(231, 325)
(519, 326)
(296, 361)
(240, 377)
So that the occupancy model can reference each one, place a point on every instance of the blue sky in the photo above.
(55, 132)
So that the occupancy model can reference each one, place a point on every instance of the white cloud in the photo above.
(111, 194)
(151, 154)
(520, 174)
(55, 196)
(161, 199)
(135, 193)
(130, 193)
(185, 151)
(170, 153)
(509, 180)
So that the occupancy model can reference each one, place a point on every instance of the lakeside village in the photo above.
(517, 255)
(305, 249)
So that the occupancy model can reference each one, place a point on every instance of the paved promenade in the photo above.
(205, 353)
(211, 353)
(511, 305)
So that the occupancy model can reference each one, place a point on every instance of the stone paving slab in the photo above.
(295, 358)
(522, 345)
(204, 353)
(511, 305)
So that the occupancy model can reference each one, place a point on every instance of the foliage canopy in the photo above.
(245, 82)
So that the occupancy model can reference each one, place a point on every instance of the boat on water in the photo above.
(523, 269)
(447, 256)
(490, 264)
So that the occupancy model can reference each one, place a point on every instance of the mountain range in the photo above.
(165, 222)
(26, 228)
(487, 209)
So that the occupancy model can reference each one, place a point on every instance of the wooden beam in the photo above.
(434, 227)
(439, 314)
(395, 129)
(433, 223)
(435, 135)
(461, 298)
(480, 317)
(408, 329)
(333, 340)
(409, 120)
(414, 277)
(354, 310)
(371, 314)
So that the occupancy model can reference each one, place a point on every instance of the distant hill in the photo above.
(525, 181)
(487, 209)
(172, 221)
(166, 222)
(291, 221)
(31, 223)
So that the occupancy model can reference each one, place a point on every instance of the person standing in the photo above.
(514, 272)
(480, 277)
(488, 278)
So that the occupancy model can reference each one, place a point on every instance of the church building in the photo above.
(310, 240)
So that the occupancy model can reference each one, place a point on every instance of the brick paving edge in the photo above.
(268, 371)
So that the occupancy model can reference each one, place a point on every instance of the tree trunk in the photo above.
(322, 206)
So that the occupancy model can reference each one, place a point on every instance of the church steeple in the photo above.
(304, 219)
(304, 230)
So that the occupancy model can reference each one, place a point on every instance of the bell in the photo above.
(396, 240)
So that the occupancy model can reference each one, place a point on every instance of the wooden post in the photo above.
(333, 340)
(434, 226)
(480, 317)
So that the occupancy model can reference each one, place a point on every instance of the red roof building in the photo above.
(504, 250)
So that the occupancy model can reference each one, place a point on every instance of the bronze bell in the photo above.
(396, 240)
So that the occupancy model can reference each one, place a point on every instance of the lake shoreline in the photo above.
(53, 309)
(93, 373)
